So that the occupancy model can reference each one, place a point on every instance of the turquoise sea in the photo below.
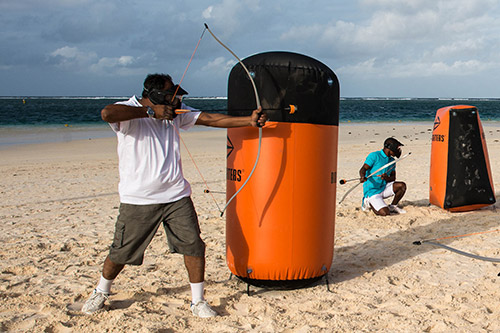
(45, 119)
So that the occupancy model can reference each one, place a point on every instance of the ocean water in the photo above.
(73, 111)
(23, 120)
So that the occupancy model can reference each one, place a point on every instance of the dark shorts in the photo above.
(137, 224)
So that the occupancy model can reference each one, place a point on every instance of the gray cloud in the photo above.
(414, 46)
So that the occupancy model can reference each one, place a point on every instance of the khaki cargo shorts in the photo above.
(137, 224)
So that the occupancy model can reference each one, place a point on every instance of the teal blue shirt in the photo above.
(375, 185)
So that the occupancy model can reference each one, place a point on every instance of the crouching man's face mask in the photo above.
(397, 152)
(395, 148)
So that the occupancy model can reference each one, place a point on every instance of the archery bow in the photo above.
(257, 101)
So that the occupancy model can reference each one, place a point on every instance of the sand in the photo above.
(59, 203)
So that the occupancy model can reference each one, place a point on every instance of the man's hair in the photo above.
(155, 81)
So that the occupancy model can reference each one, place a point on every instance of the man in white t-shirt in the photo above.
(152, 188)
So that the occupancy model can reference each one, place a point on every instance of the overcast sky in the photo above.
(377, 48)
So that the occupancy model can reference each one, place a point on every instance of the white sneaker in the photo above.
(203, 310)
(365, 205)
(95, 302)
(396, 209)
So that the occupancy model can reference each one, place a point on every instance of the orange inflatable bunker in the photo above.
(280, 227)
(460, 175)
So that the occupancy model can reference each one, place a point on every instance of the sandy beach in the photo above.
(59, 202)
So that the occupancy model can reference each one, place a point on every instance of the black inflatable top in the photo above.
(285, 79)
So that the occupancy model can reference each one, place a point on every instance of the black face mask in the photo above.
(166, 97)
(395, 148)
(161, 97)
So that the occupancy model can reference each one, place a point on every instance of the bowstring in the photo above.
(189, 64)
(197, 168)
(178, 132)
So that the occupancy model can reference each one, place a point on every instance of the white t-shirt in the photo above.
(149, 158)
